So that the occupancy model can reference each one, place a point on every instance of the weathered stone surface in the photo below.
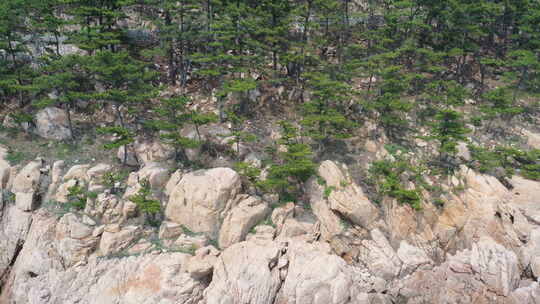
(293, 222)
(272, 272)
(202, 263)
(241, 219)
(96, 175)
(131, 159)
(201, 198)
(74, 239)
(526, 295)
(152, 151)
(245, 273)
(169, 230)
(412, 258)
(52, 123)
(77, 172)
(26, 185)
(487, 273)
(14, 227)
(190, 242)
(345, 196)
(40, 277)
(28, 179)
(262, 233)
(379, 257)
(113, 242)
(5, 169)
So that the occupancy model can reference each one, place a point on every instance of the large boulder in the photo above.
(200, 200)
(241, 219)
(52, 123)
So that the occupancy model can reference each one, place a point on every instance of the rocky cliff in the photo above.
(219, 243)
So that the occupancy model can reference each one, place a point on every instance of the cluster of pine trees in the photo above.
(402, 63)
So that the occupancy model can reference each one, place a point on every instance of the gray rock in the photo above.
(52, 123)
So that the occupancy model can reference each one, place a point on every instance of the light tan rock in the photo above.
(293, 222)
(526, 295)
(74, 239)
(487, 273)
(169, 230)
(155, 174)
(153, 151)
(5, 169)
(26, 201)
(243, 217)
(330, 223)
(95, 177)
(245, 273)
(202, 198)
(412, 258)
(379, 257)
(62, 192)
(312, 275)
(346, 197)
(26, 185)
(113, 242)
(28, 179)
(77, 172)
(131, 160)
(202, 263)
(190, 242)
(107, 207)
(173, 181)
(272, 272)
(15, 224)
(533, 139)
(262, 233)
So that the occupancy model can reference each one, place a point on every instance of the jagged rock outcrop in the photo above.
(487, 273)
(481, 247)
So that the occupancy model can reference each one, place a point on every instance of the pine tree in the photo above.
(448, 128)
(295, 165)
(324, 115)
(173, 115)
(64, 82)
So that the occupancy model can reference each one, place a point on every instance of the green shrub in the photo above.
(148, 206)
(77, 196)
(509, 160)
(388, 174)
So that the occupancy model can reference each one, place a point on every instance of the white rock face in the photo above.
(241, 219)
(199, 201)
(52, 123)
